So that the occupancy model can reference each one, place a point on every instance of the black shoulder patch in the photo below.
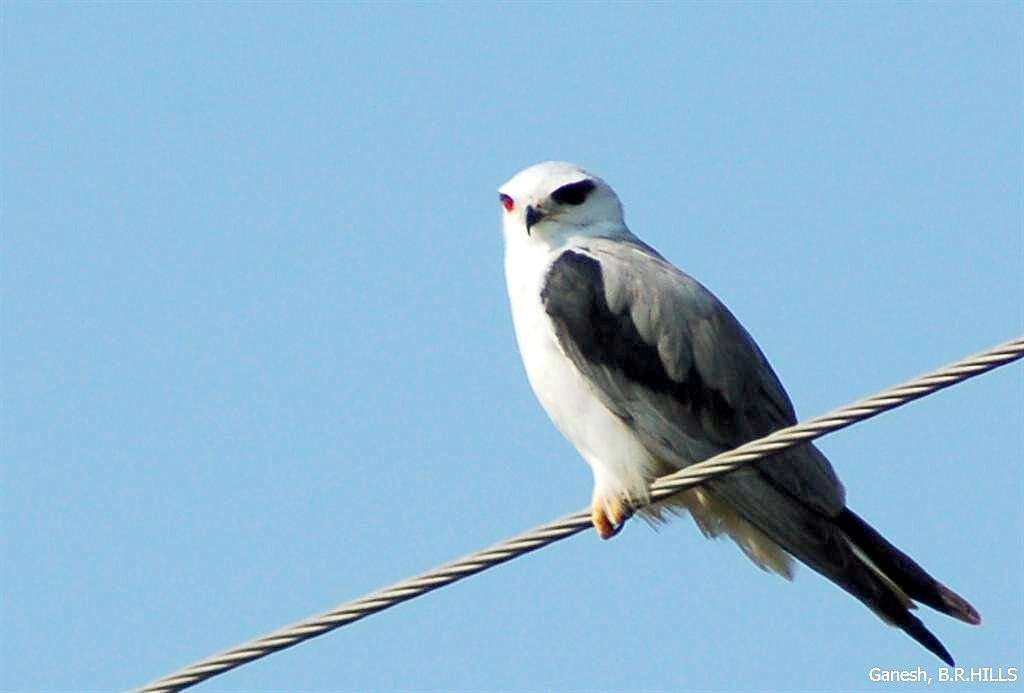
(574, 298)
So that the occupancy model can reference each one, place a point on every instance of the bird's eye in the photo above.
(507, 202)
(574, 193)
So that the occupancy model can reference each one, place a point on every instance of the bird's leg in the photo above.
(609, 515)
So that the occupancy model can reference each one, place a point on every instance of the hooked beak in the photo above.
(533, 215)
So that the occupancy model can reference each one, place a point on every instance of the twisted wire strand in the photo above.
(546, 534)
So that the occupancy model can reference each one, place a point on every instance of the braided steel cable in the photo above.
(564, 527)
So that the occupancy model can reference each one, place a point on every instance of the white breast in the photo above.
(620, 464)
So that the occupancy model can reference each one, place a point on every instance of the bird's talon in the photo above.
(609, 522)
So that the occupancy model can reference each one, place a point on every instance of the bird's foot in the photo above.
(609, 516)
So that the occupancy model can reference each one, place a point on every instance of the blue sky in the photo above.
(257, 358)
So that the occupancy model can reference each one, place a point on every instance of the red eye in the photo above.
(507, 202)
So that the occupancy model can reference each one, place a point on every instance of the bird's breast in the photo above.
(566, 394)
(552, 376)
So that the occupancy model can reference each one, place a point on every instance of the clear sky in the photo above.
(257, 357)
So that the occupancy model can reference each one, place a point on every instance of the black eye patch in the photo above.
(574, 193)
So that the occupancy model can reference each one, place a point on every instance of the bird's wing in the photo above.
(671, 361)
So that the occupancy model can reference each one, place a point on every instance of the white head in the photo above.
(555, 200)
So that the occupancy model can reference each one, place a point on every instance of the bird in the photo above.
(646, 372)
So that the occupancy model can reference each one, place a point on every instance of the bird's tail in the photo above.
(906, 581)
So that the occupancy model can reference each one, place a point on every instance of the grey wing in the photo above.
(672, 362)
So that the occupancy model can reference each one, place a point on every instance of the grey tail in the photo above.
(909, 577)
(912, 626)
(902, 570)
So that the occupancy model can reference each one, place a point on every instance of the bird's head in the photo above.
(552, 201)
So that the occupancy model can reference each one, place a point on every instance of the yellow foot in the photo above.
(609, 516)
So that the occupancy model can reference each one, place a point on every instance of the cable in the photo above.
(539, 537)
